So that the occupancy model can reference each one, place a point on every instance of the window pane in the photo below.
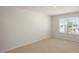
(69, 25)
(63, 25)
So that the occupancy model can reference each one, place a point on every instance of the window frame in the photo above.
(66, 18)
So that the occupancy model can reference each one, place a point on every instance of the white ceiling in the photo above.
(52, 10)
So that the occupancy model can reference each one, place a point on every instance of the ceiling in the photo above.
(53, 10)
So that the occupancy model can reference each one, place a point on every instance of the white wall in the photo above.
(1, 29)
(22, 27)
(55, 28)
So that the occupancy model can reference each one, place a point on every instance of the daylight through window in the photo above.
(69, 25)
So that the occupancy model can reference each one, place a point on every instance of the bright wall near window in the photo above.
(56, 27)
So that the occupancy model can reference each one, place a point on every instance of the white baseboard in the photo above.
(9, 49)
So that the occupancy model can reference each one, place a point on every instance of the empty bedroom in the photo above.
(39, 29)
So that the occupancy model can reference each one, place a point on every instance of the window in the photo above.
(69, 25)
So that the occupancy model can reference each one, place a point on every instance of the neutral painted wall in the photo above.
(1, 28)
(22, 27)
(55, 27)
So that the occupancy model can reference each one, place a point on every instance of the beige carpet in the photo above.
(49, 46)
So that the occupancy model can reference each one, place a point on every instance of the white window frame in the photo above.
(65, 26)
